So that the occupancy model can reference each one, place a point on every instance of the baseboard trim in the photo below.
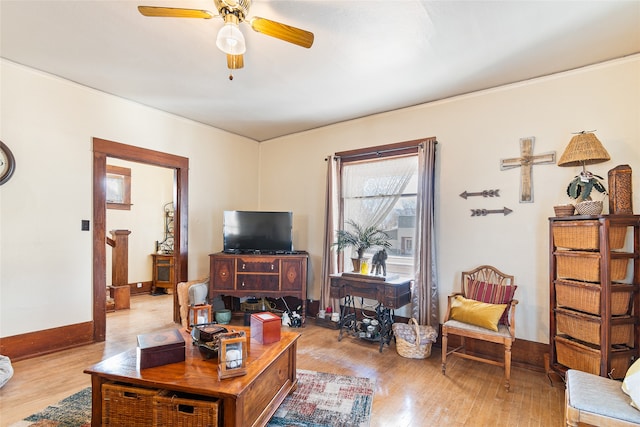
(144, 289)
(524, 354)
(38, 343)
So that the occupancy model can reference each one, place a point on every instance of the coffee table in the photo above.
(248, 400)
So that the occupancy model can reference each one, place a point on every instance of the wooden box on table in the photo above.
(265, 327)
(160, 348)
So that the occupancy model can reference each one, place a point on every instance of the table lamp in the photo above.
(584, 149)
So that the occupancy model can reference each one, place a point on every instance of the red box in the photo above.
(265, 327)
(160, 348)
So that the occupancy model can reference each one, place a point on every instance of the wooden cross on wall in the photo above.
(525, 162)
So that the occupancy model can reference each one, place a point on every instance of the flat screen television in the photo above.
(258, 231)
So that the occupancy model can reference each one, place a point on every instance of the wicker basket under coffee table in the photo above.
(240, 401)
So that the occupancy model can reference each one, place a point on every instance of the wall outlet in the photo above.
(139, 285)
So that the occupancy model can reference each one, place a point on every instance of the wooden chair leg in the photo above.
(571, 415)
(444, 352)
(507, 365)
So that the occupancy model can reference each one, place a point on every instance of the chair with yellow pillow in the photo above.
(484, 310)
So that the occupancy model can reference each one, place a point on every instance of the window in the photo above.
(382, 192)
(118, 184)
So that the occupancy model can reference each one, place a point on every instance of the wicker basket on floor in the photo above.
(412, 340)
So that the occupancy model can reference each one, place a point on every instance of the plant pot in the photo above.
(589, 207)
(361, 265)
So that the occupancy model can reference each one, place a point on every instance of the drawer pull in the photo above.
(271, 266)
(242, 284)
(243, 266)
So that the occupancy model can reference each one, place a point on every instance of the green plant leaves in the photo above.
(574, 189)
(361, 238)
(578, 189)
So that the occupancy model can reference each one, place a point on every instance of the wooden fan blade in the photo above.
(282, 31)
(235, 62)
(174, 12)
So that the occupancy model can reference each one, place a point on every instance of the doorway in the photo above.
(101, 150)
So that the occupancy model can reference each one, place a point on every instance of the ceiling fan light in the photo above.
(230, 39)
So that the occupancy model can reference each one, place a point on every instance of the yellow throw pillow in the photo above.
(631, 384)
(477, 313)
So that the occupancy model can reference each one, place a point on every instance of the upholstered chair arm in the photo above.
(182, 289)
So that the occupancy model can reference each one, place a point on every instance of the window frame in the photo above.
(123, 175)
(379, 152)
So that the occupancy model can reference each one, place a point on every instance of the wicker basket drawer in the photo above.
(585, 296)
(585, 235)
(585, 266)
(125, 405)
(584, 357)
(180, 409)
(586, 327)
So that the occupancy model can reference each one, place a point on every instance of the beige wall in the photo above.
(49, 123)
(45, 260)
(474, 133)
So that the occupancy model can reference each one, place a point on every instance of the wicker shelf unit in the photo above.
(594, 278)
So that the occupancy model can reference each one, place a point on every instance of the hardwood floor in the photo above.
(409, 392)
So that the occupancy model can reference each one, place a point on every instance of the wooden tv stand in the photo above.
(259, 275)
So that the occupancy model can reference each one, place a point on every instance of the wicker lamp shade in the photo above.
(584, 149)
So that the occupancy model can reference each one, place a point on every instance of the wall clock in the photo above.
(7, 163)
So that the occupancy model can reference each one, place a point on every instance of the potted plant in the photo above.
(361, 238)
(581, 187)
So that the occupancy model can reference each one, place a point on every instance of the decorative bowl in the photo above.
(564, 210)
(589, 207)
(223, 316)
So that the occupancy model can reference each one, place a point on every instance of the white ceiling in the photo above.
(368, 56)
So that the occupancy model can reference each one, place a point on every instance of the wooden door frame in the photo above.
(101, 150)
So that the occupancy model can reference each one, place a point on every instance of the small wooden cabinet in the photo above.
(164, 272)
(258, 275)
(594, 299)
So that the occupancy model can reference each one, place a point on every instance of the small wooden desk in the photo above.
(390, 294)
(249, 400)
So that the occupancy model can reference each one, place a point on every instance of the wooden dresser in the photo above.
(259, 275)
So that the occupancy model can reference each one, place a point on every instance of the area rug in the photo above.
(321, 400)
(326, 400)
(74, 411)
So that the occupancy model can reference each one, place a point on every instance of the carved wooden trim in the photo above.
(102, 149)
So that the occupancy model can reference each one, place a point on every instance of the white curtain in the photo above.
(425, 289)
(371, 189)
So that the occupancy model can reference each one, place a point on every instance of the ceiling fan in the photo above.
(230, 39)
